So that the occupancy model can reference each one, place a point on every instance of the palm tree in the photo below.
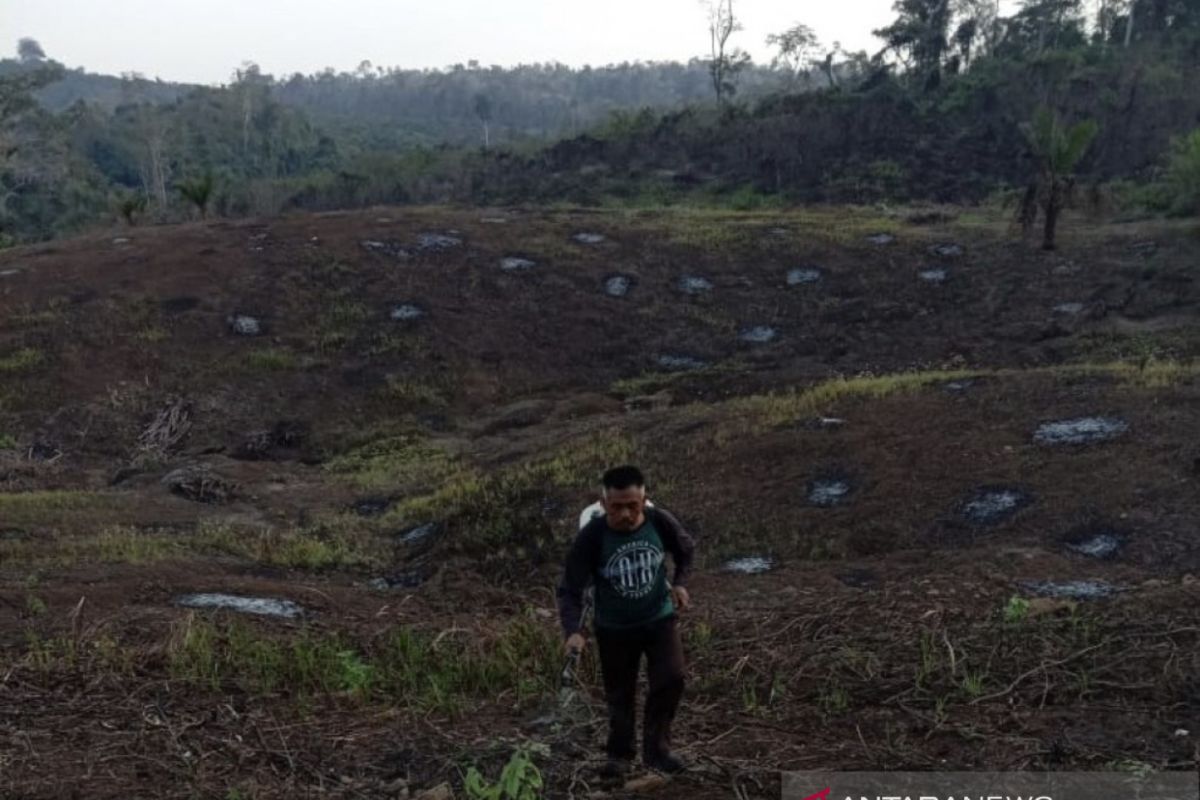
(199, 191)
(1057, 150)
(131, 206)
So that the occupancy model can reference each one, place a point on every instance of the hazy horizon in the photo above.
(185, 43)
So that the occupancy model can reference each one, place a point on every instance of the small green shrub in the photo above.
(21, 361)
(520, 779)
(1183, 174)
(1016, 609)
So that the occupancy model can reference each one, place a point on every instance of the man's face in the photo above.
(625, 507)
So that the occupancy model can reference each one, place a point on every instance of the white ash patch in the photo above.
(618, 285)
(994, 504)
(758, 334)
(694, 284)
(1072, 589)
(749, 565)
(245, 325)
(516, 264)
(680, 363)
(829, 492)
(801, 276)
(261, 606)
(437, 241)
(406, 312)
(1083, 430)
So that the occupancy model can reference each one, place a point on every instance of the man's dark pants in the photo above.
(621, 653)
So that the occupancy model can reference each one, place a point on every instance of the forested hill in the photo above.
(438, 106)
(942, 112)
(889, 139)
(103, 91)
(476, 105)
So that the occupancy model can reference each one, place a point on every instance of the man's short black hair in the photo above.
(623, 477)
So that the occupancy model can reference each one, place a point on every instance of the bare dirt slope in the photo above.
(964, 476)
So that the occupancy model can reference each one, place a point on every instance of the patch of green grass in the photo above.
(492, 498)
(777, 409)
(705, 230)
(973, 683)
(329, 273)
(1154, 374)
(446, 674)
(315, 550)
(113, 544)
(1131, 766)
(497, 517)
(57, 509)
(1138, 347)
(421, 670)
(271, 359)
(390, 343)
(16, 502)
(7, 442)
(400, 461)
(333, 543)
(929, 660)
(762, 699)
(131, 546)
(408, 393)
(152, 335)
(714, 319)
(645, 195)
(1015, 610)
(22, 360)
(833, 699)
(784, 408)
(52, 314)
(700, 638)
(98, 654)
(339, 324)
(646, 383)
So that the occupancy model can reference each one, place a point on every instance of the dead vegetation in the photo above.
(412, 485)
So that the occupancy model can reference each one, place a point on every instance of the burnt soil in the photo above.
(930, 664)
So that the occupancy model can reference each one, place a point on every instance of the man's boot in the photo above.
(616, 767)
(664, 762)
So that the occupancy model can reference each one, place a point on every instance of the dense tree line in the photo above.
(946, 109)
(941, 112)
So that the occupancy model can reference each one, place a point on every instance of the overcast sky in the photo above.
(205, 40)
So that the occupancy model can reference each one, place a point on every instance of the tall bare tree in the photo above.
(798, 50)
(153, 163)
(724, 62)
(483, 110)
(250, 84)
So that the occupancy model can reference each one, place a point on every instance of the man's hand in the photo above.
(683, 600)
(574, 643)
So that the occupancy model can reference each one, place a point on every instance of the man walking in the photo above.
(623, 554)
